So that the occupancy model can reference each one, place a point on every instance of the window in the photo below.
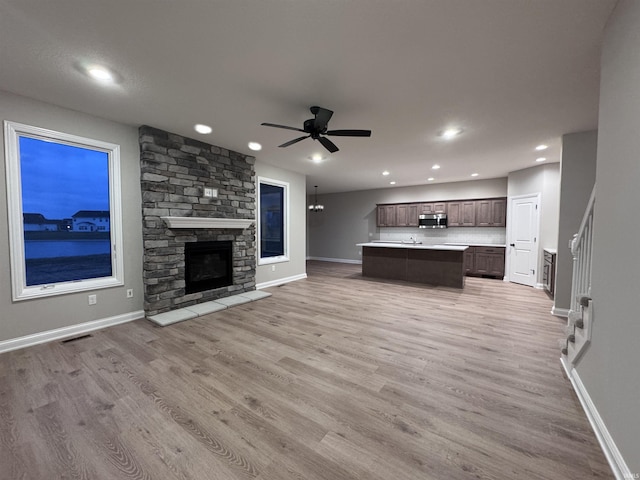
(273, 227)
(64, 212)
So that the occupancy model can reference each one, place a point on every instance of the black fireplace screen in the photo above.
(208, 265)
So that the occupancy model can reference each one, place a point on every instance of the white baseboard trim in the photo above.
(614, 457)
(337, 260)
(280, 281)
(70, 331)
(560, 312)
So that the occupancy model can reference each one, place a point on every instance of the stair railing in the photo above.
(581, 311)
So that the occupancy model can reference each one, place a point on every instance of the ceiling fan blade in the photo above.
(322, 118)
(349, 133)
(295, 140)
(328, 144)
(282, 126)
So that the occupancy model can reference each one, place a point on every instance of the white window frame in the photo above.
(20, 291)
(285, 219)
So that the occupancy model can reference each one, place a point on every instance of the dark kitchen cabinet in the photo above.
(469, 260)
(484, 261)
(434, 207)
(461, 214)
(489, 261)
(407, 215)
(549, 273)
(386, 215)
(491, 212)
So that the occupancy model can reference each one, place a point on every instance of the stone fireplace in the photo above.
(178, 219)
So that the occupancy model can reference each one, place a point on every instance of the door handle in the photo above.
(512, 244)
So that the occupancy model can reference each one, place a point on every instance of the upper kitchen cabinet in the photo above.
(387, 215)
(461, 213)
(491, 212)
(407, 215)
(434, 207)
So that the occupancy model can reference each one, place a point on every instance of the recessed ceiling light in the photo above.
(450, 133)
(255, 146)
(430, 179)
(392, 183)
(541, 147)
(541, 159)
(204, 129)
(386, 172)
(100, 73)
(475, 174)
(435, 167)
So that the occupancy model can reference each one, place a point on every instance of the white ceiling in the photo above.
(512, 73)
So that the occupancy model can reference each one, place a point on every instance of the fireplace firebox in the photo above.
(208, 265)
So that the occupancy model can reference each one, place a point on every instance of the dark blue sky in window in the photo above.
(58, 180)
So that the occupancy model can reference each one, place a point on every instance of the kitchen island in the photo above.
(414, 262)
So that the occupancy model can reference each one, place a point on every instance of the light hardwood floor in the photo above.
(334, 377)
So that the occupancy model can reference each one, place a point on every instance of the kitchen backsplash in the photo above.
(489, 235)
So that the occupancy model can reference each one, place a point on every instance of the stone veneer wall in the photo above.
(174, 172)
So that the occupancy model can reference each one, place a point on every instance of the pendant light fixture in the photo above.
(316, 207)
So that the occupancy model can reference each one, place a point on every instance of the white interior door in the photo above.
(523, 239)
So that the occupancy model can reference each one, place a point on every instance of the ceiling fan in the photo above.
(316, 128)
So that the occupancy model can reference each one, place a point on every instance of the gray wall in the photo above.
(350, 218)
(39, 315)
(609, 369)
(543, 179)
(578, 174)
(296, 266)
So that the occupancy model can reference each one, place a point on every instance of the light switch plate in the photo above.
(210, 192)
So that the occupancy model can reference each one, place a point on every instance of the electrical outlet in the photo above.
(93, 299)
(130, 293)
(273, 268)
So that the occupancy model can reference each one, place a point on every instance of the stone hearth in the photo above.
(175, 170)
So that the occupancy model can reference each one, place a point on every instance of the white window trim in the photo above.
(280, 258)
(20, 290)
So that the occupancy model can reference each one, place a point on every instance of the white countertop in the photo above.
(551, 250)
(479, 244)
(416, 246)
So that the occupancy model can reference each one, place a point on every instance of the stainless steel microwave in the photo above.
(436, 220)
